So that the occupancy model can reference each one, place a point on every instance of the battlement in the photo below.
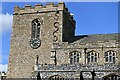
(39, 8)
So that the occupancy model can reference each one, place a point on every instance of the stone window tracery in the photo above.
(35, 28)
(110, 56)
(74, 57)
(35, 41)
(92, 56)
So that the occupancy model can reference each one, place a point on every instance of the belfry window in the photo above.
(110, 56)
(74, 57)
(35, 41)
(92, 56)
(35, 29)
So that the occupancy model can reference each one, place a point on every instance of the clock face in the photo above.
(35, 43)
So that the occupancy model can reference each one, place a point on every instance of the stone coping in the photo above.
(76, 67)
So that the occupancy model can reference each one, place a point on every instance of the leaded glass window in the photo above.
(35, 41)
(110, 56)
(35, 28)
(92, 56)
(74, 57)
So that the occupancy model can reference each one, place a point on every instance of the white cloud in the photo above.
(5, 26)
(5, 22)
(3, 67)
(60, 0)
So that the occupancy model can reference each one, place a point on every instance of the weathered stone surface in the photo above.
(57, 34)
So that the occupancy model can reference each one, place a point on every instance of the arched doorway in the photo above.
(56, 77)
(111, 77)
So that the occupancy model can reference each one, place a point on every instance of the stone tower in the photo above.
(35, 30)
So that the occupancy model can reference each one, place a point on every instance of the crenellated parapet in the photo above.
(39, 8)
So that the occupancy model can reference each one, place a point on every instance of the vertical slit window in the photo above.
(77, 57)
(95, 57)
(35, 29)
(88, 57)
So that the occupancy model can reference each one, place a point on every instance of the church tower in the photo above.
(35, 30)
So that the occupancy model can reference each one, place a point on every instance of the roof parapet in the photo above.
(61, 3)
(38, 5)
(38, 8)
(50, 3)
(16, 9)
(27, 7)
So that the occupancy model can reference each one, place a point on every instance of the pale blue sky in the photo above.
(91, 18)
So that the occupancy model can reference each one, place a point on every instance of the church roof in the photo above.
(95, 37)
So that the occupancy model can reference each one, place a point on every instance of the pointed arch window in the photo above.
(35, 29)
(35, 41)
(74, 57)
(110, 56)
(92, 56)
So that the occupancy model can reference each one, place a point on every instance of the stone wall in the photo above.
(56, 22)
(22, 56)
(73, 71)
(63, 50)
